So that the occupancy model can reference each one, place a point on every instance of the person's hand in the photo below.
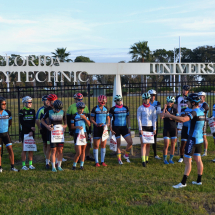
(33, 128)
(99, 125)
(162, 115)
(83, 117)
(64, 126)
(154, 132)
(80, 127)
(30, 134)
(113, 132)
(141, 132)
(50, 128)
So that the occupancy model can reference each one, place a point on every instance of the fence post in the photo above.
(18, 110)
(88, 89)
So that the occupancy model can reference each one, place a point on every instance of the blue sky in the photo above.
(103, 30)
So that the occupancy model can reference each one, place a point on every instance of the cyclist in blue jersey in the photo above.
(56, 116)
(39, 116)
(214, 133)
(99, 118)
(204, 106)
(157, 106)
(184, 131)
(78, 122)
(195, 138)
(120, 114)
(5, 123)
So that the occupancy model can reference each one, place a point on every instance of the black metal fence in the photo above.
(131, 97)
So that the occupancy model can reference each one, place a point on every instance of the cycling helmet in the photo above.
(26, 99)
(202, 94)
(80, 105)
(170, 99)
(193, 97)
(102, 99)
(146, 96)
(152, 92)
(78, 96)
(58, 104)
(2, 99)
(44, 98)
(117, 98)
(52, 97)
(186, 87)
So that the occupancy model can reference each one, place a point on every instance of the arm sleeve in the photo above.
(21, 115)
(158, 108)
(154, 117)
(176, 99)
(9, 114)
(111, 112)
(34, 119)
(72, 117)
(46, 115)
(205, 108)
(139, 114)
(93, 112)
(192, 114)
(38, 114)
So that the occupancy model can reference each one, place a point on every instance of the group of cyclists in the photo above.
(185, 115)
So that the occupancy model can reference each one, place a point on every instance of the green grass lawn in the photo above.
(127, 189)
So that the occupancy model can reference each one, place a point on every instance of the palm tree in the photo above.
(140, 52)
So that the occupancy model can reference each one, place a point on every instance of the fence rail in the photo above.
(131, 97)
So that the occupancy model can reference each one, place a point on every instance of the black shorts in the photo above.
(97, 132)
(192, 148)
(205, 128)
(214, 135)
(170, 133)
(54, 145)
(120, 130)
(43, 132)
(146, 128)
(48, 136)
(184, 135)
(5, 138)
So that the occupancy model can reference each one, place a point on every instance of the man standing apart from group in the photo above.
(157, 106)
(120, 114)
(195, 138)
(180, 103)
(27, 123)
(6, 122)
(204, 106)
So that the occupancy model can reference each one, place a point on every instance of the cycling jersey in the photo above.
(184, 112)
(5, 117)
(181, 101)
(195, 128)
(157, 106)
(146, 116)
(119, 115)
(205, 108)
(168, 123)
(27, 120)
(78, 121)
(100, 115)
(214, 110)
(55, 118)
(40, 114)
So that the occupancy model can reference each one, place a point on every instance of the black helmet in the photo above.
(186, 87)
(58, 105)
(44, 98)
(193, 97)
(80, 105)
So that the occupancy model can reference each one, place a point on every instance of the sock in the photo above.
(12, 166)
(56, 161)
(82, 163)
(74, 164)
(59, 163)
(30, 163)
(205, 151)
(184, 179)
(53, 165)
(182, 156)
(103, 152)
(126, 153)
(119, 156)
(47, 161)
(143, 158)
(164, 157)
(96, 155)
(171, 157)
(199, 179)
(147, 158)
(23, 163)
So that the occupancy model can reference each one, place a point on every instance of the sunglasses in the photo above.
(79, 99)
(4, 104)
(29, 102)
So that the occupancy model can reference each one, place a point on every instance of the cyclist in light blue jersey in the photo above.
(120, 115)
(195, 138)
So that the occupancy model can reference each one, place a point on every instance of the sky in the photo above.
(103, 30)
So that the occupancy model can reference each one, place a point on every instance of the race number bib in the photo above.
(113, 143)
(211, 123)
(81, 139)
(105, 134)
(180, 125)
(148, 137)
(57, 135)
(29, 144)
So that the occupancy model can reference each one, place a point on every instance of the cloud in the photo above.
(16, 21)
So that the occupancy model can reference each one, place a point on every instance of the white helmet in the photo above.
(152, 92)
(26, 99)
(202, 94)
(146, 96)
